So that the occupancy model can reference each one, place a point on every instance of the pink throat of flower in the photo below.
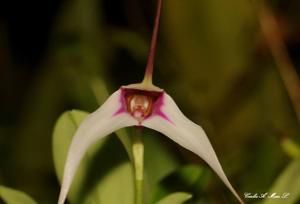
(141, 104)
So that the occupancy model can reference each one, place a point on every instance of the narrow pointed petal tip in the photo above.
(97, 125)
(187, 134)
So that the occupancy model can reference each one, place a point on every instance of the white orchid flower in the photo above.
(146, 105)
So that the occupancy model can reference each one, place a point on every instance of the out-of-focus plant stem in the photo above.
(273, 37)
(138, 160)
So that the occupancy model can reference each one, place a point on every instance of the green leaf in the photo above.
(99, 176)
(156, 152)
(288, 182)
(12, 196)
(175, 198)
(118, 182)
(189, 178)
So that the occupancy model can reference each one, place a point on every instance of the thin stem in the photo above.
(273, 37)
(151, 54)
(138, 159)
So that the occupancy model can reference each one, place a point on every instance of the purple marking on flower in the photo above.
(122, 101)
(157, 99)
(157, 109)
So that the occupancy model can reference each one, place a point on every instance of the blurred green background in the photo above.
(212, 59)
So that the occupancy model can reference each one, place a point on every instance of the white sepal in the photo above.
(189, 135)
(97, 125)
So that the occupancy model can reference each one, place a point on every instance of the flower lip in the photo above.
(139, 103)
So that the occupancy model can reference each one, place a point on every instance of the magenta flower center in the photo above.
(140, 104)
